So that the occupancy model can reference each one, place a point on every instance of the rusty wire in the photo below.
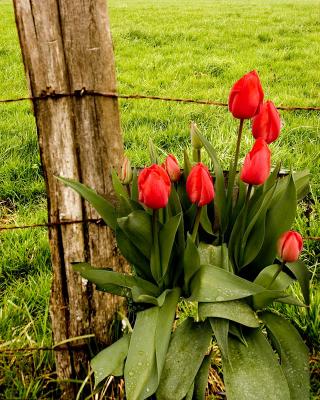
(85, 92)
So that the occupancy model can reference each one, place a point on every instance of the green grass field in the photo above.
(169, 48)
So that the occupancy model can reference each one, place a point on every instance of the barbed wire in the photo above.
(85, 92)
(97, 221)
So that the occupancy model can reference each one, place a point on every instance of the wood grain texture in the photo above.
(66, 45)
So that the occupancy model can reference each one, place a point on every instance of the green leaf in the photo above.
(104, 208)
(167, 236)
(220, 193)
(265, 277)
(117, 185)
(303, 275)
(213, 284)
(133, 255)
(137, 226)
(215, 255)
(191, 261)
(140, 371)
(201, 380)
(294, 357)
(254, 372)
(153, 153)
(275, 291)
(164, 326)
(235, 310)
(187, 164)
(253, 237)
(205, 221)
(301, 180)
(105, 279)
(220, 328)
(279, 218)
(236, 331)
(290, 300)
(187, 348)
(110, 361)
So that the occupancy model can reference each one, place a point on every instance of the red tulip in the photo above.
(172, 167)
(154, 187)
(267, 123)
(256, 167)
(246, 96)
(289, 246)
(199, 185)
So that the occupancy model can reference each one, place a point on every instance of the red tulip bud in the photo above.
(246, 96)
(126, 172)
(172, 167)
(256, 167)
(289, 246)
(154, 187)
(267, 123)
(199, 185)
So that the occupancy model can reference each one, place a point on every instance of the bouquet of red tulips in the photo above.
(222, 241)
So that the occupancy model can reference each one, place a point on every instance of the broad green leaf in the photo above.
(220, 328)
(301, 180)
(133, 255)
(303, 275)
(187, 348)
(213, 284)
(253, 237)
(265, 277)
(175, 206)
(164, 326)
(273, 292)
(294, 357)
(110, 361)
(191, 261)
(153, 152)
(190, 393)
(235, 239)
(235, 310)
(137, 226)
(187, 164)
(215, 255)
(279, 219)
(167, 236)
(140, 371)
(117, 185)
(236, 331)
(290, 300)
(254, 372)
(201, 380)
(103, 279)
(267, 297)
(220, 193)
(104, 208)
(205, 221)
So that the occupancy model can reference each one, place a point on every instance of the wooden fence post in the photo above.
(66, 46)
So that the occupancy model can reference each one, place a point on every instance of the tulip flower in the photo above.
(154, 187)
(267, 123)
(246, 96)
(256, 167)
(289, 246)
(172, 167)
(199, 185)
(126, 172)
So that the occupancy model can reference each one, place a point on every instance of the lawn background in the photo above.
(166, 48)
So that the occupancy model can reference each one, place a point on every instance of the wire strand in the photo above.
(84, 92)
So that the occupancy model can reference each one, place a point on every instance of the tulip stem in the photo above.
(196, 225)
(233, 169)
(280, 268)
(244, 220)
(155, 237)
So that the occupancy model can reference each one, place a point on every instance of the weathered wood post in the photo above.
(66, 46)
